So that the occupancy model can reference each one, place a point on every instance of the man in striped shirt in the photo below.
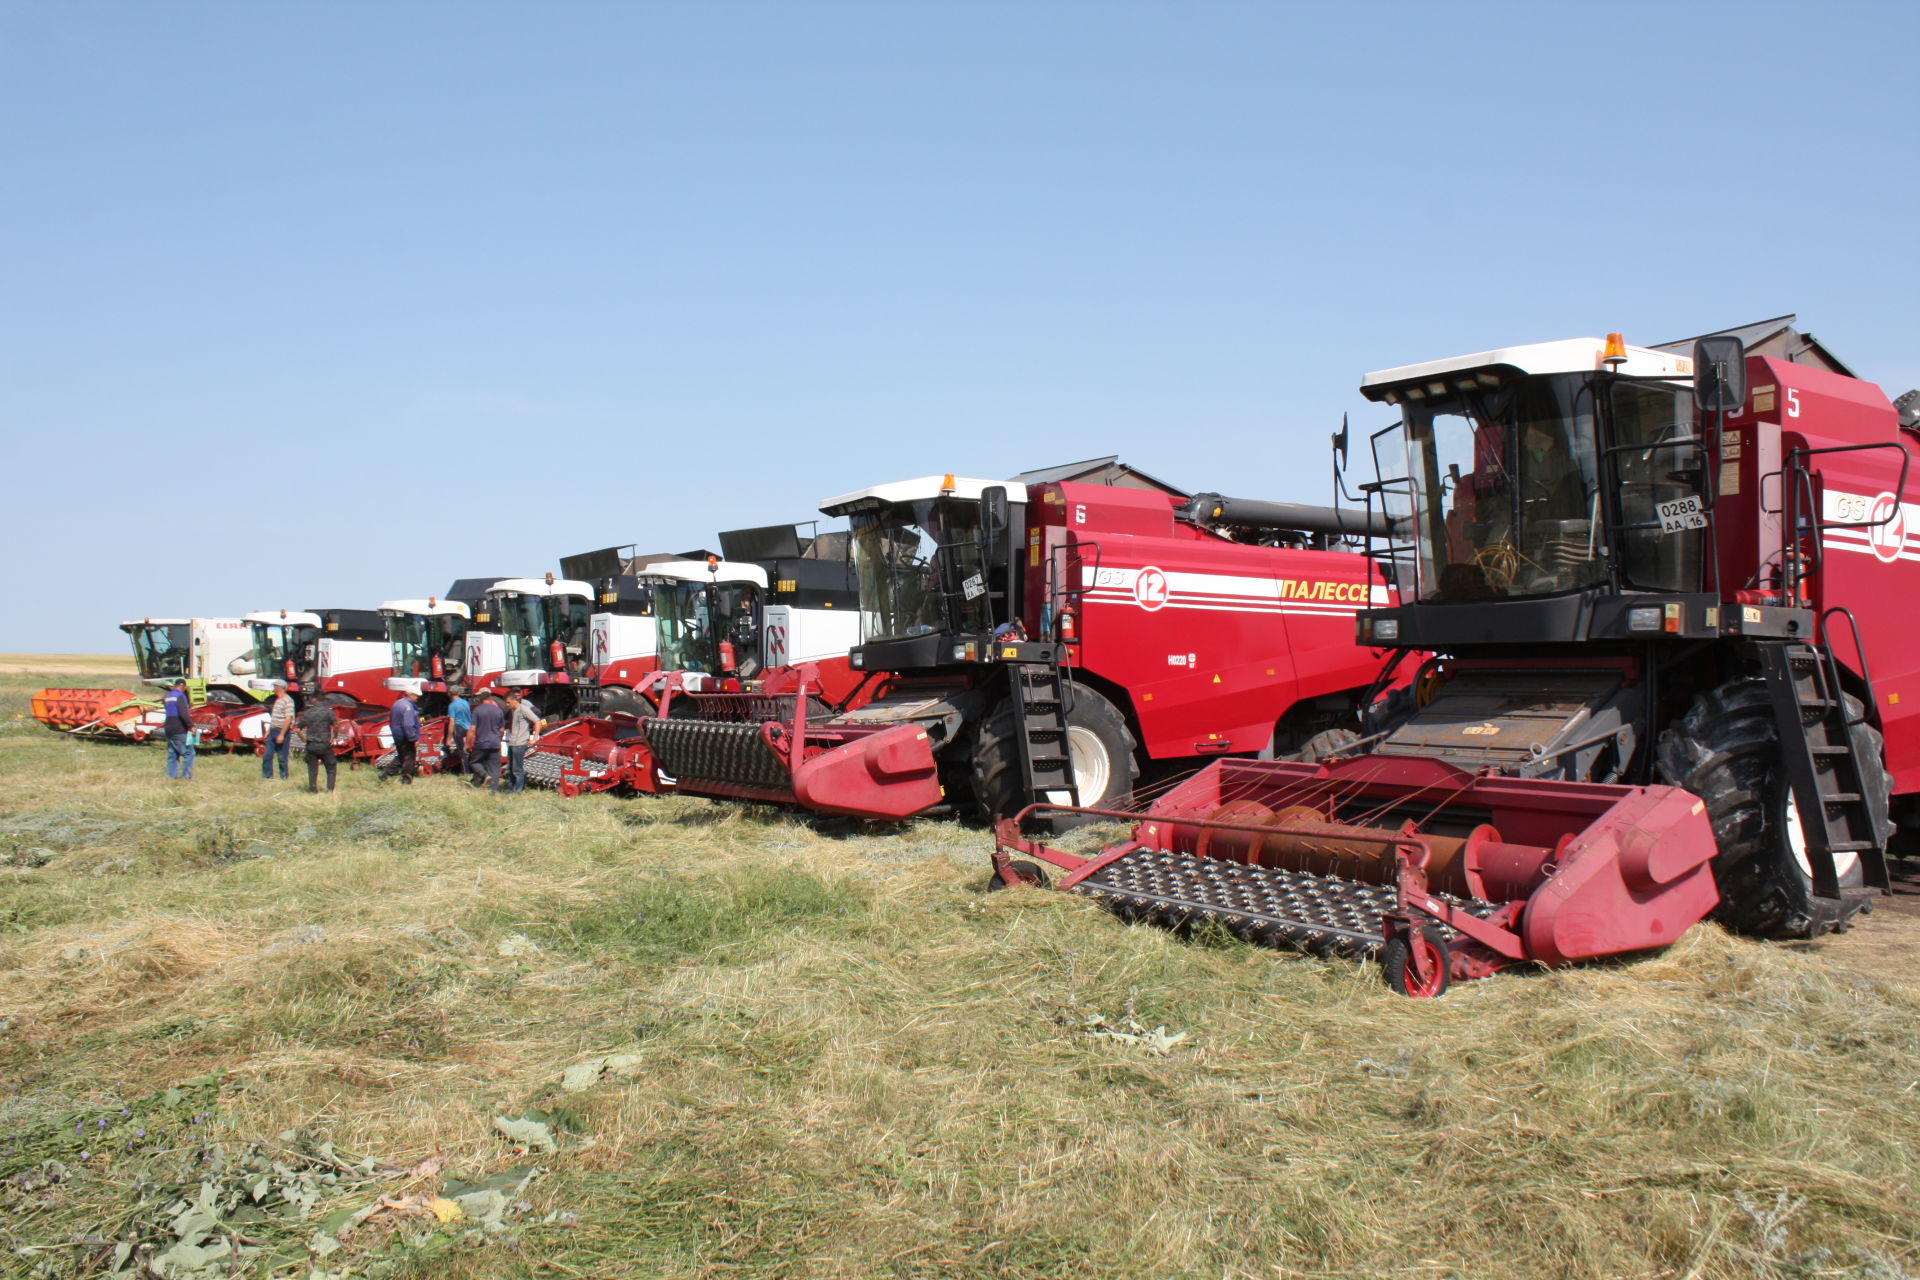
(279, 737)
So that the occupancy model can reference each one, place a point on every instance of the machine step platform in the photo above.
(1829, 786)
(1040, 722)
(1270, 906)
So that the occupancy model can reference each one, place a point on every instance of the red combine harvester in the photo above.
(1034, 645)
(778, 610)
(1673, 679)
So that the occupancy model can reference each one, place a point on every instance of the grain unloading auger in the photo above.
(1439, 873)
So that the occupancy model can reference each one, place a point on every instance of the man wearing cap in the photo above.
(404, 721)
(178, 708)
(483, 739)
(279, 739)
(459, 720)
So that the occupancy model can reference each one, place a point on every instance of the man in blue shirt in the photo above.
(404, 721)
(179, 730)
(483, 740)
(459, 720)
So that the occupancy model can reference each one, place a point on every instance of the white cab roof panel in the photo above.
(696, 571)
(540, 587)
(916, 491)
(1571, 355)
(283, 618)
(423, 608)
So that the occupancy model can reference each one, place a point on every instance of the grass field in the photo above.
(430, 1032)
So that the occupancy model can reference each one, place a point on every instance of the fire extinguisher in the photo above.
(726, 655)
(439, 668)
(556, 655)
(290, 671)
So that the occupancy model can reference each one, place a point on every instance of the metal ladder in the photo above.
(1038, 690)
(1816, 745)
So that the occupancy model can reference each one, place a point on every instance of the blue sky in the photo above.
(320, 304)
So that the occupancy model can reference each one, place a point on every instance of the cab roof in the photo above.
(540, 587)
(1570, 355)
(283, 617)
(428, 608)
(885, 495)
(696, 571)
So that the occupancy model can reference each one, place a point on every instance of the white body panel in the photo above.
(619, 637)
(344, 657)
(808, 635)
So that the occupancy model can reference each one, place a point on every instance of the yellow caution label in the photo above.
(1216, 679)
(1009, 652)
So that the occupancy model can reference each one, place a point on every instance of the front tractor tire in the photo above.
(1726, 751)
(1098, 742)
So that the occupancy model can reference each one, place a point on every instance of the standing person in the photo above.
(179, 730)
(404, 720)
(279, 731)
(316, 726)
(459, 720)
(483, 740)
(523, 732)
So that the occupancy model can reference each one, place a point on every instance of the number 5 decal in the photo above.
(1793, 402)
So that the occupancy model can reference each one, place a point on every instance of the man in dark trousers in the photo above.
(404, 720)
(179, 729)
(459, 720)
(316, 726)
(483, 740)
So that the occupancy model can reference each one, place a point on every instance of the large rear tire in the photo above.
(1726, 751)
(624, 702)
(1098, 741)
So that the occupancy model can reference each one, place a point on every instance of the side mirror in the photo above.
(993, 511)
(1340, 446)
(1719, 374)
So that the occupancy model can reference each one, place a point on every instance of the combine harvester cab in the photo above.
(212, 654)
(436, 644)
(1662, 587)
(1034, 640)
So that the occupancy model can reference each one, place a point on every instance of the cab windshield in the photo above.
(417, 639)
(920, 569)
(531, 624)
(162, 650)
(1512, 495)
(275, 643)
(694, 617)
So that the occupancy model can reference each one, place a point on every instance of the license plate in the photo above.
(1681, 514)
